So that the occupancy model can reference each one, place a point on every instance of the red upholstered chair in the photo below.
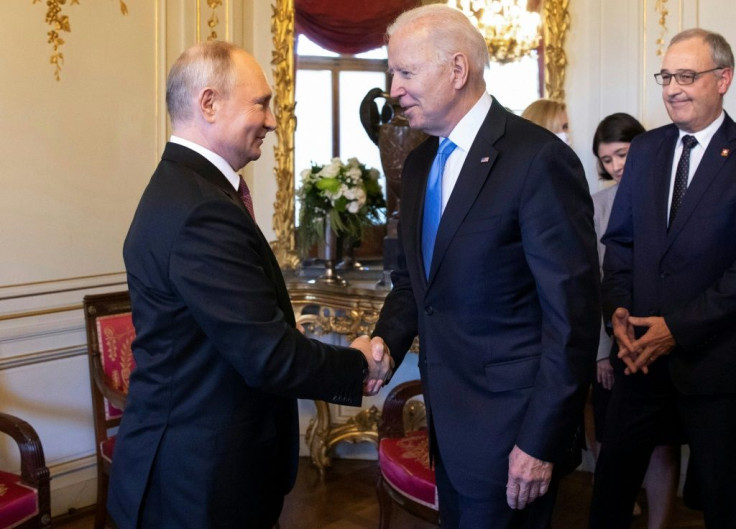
(405, 477)
(25, 501)
(110, 334)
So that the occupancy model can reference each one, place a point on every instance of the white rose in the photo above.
(353, 207)
(355, 174)
(331, 170)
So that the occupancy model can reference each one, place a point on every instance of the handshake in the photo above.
(380, 363)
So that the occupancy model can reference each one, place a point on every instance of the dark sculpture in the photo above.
(390, 130)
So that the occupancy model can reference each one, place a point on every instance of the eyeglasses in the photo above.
(682, 78)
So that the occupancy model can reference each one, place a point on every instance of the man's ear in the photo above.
(208, 103)
(459, 70)
(724, 80)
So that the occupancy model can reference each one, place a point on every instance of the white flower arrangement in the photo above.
(349, 193)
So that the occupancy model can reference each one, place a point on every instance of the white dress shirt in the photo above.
(463, 135)
(696, 153)
(214, 158)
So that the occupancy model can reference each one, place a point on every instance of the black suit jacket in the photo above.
(209, 437)
(686, 273)
(508, 320)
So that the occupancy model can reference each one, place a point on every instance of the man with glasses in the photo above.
(669, 289)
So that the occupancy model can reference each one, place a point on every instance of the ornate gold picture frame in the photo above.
(556, 21)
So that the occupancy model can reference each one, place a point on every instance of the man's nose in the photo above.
(397, 89)
(270, 122)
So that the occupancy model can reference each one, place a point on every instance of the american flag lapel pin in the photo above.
(725, 152)
(485, 159)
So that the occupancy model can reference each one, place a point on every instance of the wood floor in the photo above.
(346, 500)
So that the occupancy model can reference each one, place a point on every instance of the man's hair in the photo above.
(205, 64)
(720, 50)
(451, 32)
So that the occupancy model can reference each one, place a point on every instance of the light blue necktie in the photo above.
(433, 202)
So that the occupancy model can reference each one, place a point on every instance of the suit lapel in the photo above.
(412, 201)
(199, 164)
(661, 182)
(473, 175)
(723, 142)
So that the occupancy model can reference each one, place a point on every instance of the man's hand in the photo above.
(623, 331)
(529, 478)
(657, 341)
(379, 360)
(604, 373)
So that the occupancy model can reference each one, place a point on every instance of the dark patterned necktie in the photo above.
(433, 202)
(244, 194)
(683, 170)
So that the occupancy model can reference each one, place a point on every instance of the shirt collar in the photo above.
(467, 128)
(214, 158)
(704, 136)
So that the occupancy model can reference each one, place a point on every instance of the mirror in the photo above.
(556, 22)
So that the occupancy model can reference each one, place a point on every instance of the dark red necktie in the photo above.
(244, 194)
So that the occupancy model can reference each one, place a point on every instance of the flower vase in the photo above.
(328, 253)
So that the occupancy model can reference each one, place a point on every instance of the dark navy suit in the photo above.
(687, 274)
(508, 319)
(209, 437)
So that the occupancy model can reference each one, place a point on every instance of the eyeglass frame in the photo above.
(659, 77)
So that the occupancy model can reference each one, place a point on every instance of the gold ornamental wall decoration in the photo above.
(556, 26)
(213, 21)
(60, 23)
(660, 7)
(282, 60)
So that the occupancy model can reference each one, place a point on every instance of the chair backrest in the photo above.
(110, 334)
(25, 499)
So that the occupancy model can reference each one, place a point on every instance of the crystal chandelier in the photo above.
(510, 30)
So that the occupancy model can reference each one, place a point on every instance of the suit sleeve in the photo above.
(556, 222)
(217, 268)
(397, 324)
(618, 263)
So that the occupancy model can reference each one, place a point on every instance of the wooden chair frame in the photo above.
(391, 425)
(96, 306)
(33, 470)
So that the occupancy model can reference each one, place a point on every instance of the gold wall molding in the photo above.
(60, 23)
(556, 25)
(556, 21)
(660, 7)
(282, 32)
(212, 22)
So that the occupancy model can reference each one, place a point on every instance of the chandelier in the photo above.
(510, 30)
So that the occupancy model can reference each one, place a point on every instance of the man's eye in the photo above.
(687, 77)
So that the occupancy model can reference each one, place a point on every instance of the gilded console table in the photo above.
(350, 311)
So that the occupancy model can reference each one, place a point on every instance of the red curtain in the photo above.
(348, 26)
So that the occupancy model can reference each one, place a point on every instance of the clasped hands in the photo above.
(640, 354)
(380, 363)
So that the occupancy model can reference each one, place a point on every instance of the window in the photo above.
(329, 89)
